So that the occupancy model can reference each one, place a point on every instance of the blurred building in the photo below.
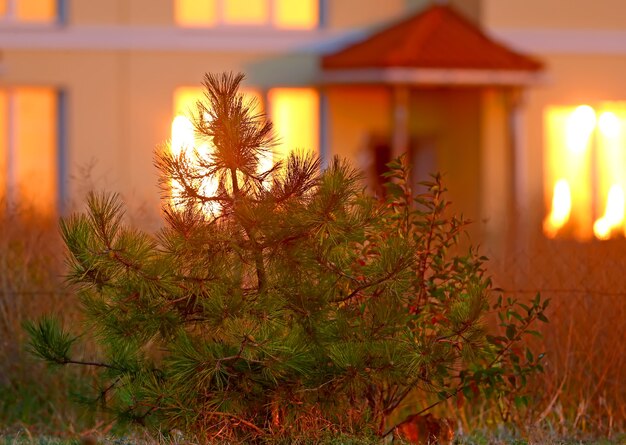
(520, 103)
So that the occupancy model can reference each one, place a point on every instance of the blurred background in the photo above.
(521, 104)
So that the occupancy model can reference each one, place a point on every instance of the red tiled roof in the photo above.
(438, 37)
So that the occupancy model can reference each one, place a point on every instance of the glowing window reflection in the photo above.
(28, 11)
(28, 131)
(246, 12)
(282, 14)
(194, 13)
(293, 111)
(183, 136)
(561, 208)
(36, 10)
(295, 114)
(301, 14)
(585, 175)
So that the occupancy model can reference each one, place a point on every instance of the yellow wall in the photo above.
(346, 14)
(452, 117)
(136, 12)
(496, 178)
(355, 114)
(569, 14)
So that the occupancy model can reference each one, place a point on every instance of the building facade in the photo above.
(88, 89)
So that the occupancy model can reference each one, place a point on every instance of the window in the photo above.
(294, 112)
(28, 147)
(183, 135)
(282, 14)
(28, 11)
(585, 175)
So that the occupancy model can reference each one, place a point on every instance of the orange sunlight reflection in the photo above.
(294, 112)
(194, 13)
(586, 171)
(302, 14)
(35, 132)
(569, 133)
(561, 208)
(282, 14)
(183, 137)
(183, 141)
(246, 12)
(36, 10)
(613, 217)
(30, 136)
(611, 164)
(580, 126)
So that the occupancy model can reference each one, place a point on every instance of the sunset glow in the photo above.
(29, 147)
(246, 12)
(182, 141)
(611, 174)
(613, 217)
(294, 112)
(302, 14)
(36, 10)
(192, 13)
(568, 177)
(280, 14)
(29, 11)
(580, 126)
(561, 209)
(586, 170)
(609, 125)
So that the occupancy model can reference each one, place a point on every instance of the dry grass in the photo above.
(582, 390)
(31, 268)
(581, 394)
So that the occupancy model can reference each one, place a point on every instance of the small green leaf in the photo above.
(517, 316)
(511, 331)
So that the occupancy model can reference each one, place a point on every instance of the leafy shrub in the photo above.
(282, 301)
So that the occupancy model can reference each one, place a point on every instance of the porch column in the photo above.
(324, 144)
(518, 238)
(496, 172)
(400, 120)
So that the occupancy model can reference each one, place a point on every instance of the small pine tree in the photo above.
(280, 302)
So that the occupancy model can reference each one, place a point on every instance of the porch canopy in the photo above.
(438, 50)
(435, 47)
